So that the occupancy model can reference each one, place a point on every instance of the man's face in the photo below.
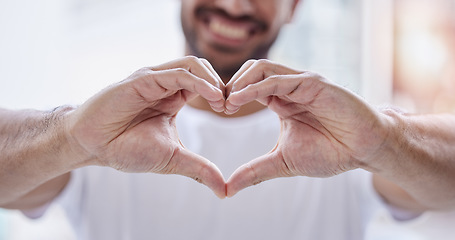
(229, 32)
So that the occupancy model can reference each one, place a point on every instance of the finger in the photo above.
(278, 85)
(221, 84)
(198, 66)
(219, 105)
(200, 169)
(166, 82)
(258, 71)
(254, 73)
(264, 168)
(202, 68)
(240, 72)
(233, 86)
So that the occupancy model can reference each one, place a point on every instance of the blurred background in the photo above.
(392, 52)
(424, 56)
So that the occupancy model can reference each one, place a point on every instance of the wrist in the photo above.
(70, 149)
(392, 130)
(34, 149)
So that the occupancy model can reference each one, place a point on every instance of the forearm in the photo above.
(419, 156)
(34, 149)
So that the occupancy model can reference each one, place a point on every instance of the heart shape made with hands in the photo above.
(258, 80)
(314, 140)
(325, 129)
(267, 166)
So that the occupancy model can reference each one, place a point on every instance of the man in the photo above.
(71, 155)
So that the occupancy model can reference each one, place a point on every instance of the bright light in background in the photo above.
(421, 49)
(423, 52)
(56, 52)
(422, 56)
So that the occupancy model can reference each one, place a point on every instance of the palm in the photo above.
(308, 155)
(150, 143)
(305, 147)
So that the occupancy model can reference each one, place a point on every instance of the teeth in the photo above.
(228, 31)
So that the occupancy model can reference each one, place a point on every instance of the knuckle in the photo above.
(313, 76)
(182, 71)
(191, 58)
(257, 182)
(235, 86)
(253, 174)
(139, 76)
(204, 60)
(197, 179)
(251, 61)
(275, 78)
(262, 62)
(143, 71)
(204, 171)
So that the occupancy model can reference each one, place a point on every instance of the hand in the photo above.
(130, 126)
(325, 129)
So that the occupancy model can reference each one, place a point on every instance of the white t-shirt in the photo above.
(102, 203)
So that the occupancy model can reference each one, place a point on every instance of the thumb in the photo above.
(200, 169)
(263, 168)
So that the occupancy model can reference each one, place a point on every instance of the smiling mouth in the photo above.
(234, 30)
(229, 31)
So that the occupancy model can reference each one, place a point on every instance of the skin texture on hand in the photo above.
(325, 130)
(321, 135)
(131, 126)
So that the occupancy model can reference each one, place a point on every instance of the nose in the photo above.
(236, 8)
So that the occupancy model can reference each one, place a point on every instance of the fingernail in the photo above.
(217, 104)
(218, 109)
(230, 109)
